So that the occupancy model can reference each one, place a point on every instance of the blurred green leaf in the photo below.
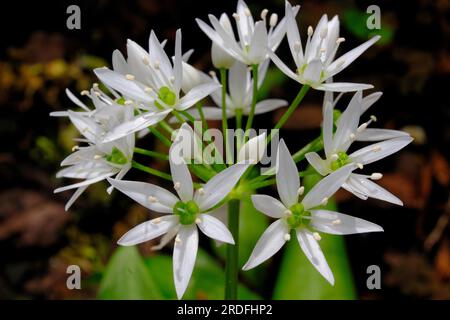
(207, 281)
(298, 279)
(126, 277)
(274, 78)
(355, 22)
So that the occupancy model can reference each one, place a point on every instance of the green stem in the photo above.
(251, 115)
(163, 124)
(202, 116)
(152, 171)
(223, 81)
(160, 136)
(232, 264)
(238, 129)
(150, 153)
(301, 94)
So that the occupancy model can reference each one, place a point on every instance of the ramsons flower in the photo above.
(303, 218)
(348, 130)
(317, 62)
(155, 86)
(97, 160)
(253, 40)
(187, 212)
(239, 98)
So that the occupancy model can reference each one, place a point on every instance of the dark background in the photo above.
(40, 57)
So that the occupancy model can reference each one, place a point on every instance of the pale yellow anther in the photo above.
(288, 212)
(145, 61)
(374, 119)
(212, 73)
(264, 14)
(177, 185)
(198, 220)
(376, 176)
(75, 148)
(148, 89)
(352, 136)
(376, 148)
(152, 199)
(129, 77)
(360, 165)
(128, 102)
(287, 237)
(317, 236)
(336, 222)
(84, 93)
(157, 64)
(310, 31)
(247, 12)
(273, 19)
(236, 16)
(95, 85)
(97, 157)
(301, 191)
(156, 220)
(177, 239)
(324, 201)
(334, 157)
(201, 191)
(340, 40)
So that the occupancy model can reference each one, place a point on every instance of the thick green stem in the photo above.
(202, 116)
(223, 81)
(150, 153)
(238, 129)
(301, 94)
(152, 171)
(160, 136)
(251, 115)
(232, 264)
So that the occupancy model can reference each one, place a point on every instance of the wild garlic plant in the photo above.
(150, 92)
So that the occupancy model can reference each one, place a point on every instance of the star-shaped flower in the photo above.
(303, 217)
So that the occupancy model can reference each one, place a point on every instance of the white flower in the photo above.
(219, 57)
(188, 213)
(98, 160)
(317, 63)
(302, 217)
(253, 38)
(253, 150)
(155, 85)
(240, 95)
(348, 130)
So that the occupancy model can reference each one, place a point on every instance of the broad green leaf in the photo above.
(207, 281)
(298, 279)
(126, 277)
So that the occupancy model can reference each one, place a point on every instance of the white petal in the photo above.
(314, 254)
(258, 44)
(181, 176)
(165, 239)
(270, 243)
(326, 187)
(369, 100)
(86, 126)
(327, 127)
(348, 124)
(127, 87)
(343, 87)
(283, 68)
(365, 186)
(215, 229)
(269, 205)
(239, 82)
(141, 192)
(370, 134)
(293, 35)
(76, 100)
(318, 163)
(288, 181)
(377, 151)
(196, 94)
(148, 230)
(345, 60)
(157, 53)
(313, 47)
(119, 63)
(184, 255)
(253, 150)
(338, 223)
(193, 77)
(177, 67)
(85, 182)
(269, 105)
(74, 197)
(313, 71)
(219, 186)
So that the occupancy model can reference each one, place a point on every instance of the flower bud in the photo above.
(220, 58)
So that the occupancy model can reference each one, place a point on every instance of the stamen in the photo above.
(177, 185)
(297, 46)
(317, 236)
(360, 165)
(145, 61)
(97, 157)
(156, 65)
(334, 157)
(98, 94)
(288, 212)
(362, 127)
(273, 19)
(376, 148)
(198, 220)
(201, 191)
(156, 220)
(301, 190)
(336, 222)
(340, 40)
(376, 176)
(325, 201)
(236, 16)
(148, 89)
(95, 85)
(247, 12)
(129, 77)
(172, 79)
(352, 136)
(374, 119)
(177, 239)
(152, 199)
(84, 93)
(128, 102)
(310, 31)
(212, 73)
(287, 237)
(75, 148)
(264, 14)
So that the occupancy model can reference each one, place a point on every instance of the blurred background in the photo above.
(40, 57)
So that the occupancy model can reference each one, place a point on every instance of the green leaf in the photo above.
(298, 279)
(274, 78)
(207, 281)
(126, 277)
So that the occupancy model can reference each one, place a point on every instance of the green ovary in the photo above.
(341, 161)
(167, 96)
(299, 216)
(187, 211)
(117, 157)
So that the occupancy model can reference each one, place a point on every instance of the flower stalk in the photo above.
(232, 263)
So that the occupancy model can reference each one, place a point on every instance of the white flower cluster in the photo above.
(147, 86)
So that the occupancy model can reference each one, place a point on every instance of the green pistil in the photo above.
(341, 161)
(298, 217)
(121, 101)
(167, 96)
(187, 211)
(117, 157)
